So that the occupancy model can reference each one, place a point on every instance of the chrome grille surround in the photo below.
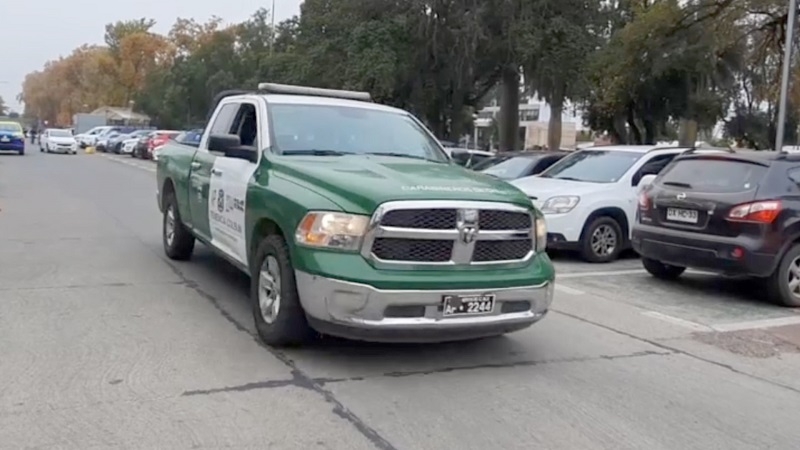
(462, 231)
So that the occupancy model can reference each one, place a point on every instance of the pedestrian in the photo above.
(33, 135)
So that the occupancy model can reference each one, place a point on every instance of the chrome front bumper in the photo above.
(359, 311)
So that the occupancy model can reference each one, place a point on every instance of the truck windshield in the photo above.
(350, 130)
(593, 166)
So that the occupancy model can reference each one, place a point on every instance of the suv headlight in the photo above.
(332, 230)
(560, 204)
(540, 234)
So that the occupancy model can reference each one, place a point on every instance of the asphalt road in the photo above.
(106, 344)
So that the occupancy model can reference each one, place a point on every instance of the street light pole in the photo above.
(791, 18)
(272, 36)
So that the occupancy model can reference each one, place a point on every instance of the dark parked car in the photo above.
(734, 213)
(115, 145)
(513, 165)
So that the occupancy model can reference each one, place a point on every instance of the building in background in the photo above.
(534, 118)
(122, 116)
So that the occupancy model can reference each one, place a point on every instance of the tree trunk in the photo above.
(554, 127)
(649, 132)
(634, 129)
(509, 109)
(687, 133)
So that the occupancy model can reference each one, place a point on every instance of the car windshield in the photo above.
(505, 167)
(350, 130)
(60, 133)
(593, 166)
(15, 127)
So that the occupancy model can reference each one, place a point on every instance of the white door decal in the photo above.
(227, 203)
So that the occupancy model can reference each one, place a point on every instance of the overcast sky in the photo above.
(37, 31)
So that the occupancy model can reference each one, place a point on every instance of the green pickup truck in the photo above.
(352, 221)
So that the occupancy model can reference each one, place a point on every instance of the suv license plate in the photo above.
(681, 215)
(467, 305)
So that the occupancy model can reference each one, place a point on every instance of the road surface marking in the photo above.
(609, 273)
(568, 290)
(694, 326)
(758, 324)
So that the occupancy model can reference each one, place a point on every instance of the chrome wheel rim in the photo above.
(604, 240)
(269, 289)
(793, 277)
(169, 225)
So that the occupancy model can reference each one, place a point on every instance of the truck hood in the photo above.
(359, 183)
(541, 189)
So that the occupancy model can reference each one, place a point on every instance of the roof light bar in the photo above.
(287, 89)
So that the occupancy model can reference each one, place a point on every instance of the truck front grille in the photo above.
(449, 232)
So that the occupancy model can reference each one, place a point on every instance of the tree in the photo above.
(665, 60)
(559, 37)
(116, 32)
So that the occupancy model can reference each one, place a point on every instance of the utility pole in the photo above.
(272, 34)
(791, 19)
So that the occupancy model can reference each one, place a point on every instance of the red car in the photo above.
(156, 140)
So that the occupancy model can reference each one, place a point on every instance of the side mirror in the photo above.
(645, 181)
(223, 142)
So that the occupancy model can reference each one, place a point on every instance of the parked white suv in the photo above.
(589, 197)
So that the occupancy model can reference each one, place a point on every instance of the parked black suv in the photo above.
(735, 213)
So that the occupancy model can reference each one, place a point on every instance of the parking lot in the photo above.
(107, 344)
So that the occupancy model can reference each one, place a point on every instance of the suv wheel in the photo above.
(784, 284)
(602, 240)
(178, 241)
(661, 270)
(279, 316)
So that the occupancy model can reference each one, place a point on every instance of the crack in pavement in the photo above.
(299, 378)
(678, 351)
(273, 384)
(92, 286)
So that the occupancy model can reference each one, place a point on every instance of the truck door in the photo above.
(230, 178)
(200, 171)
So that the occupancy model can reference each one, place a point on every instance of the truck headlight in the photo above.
(332, 230)
(540, 234)
(560, 204)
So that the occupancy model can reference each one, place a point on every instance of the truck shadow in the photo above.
(326, 354)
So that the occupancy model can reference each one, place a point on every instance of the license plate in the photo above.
(681, 215)
(467, 305)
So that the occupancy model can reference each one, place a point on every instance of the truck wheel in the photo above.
(662, 271)
(783, 286)
(178, 241)
(602, 240)
(279, 317)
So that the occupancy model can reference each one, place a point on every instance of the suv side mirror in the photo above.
(645, 181)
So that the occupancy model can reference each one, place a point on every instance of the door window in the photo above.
(246, 125)
(653, 166)
(222, 123)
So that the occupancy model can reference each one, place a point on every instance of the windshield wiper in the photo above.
(316, 152)
(677, 184)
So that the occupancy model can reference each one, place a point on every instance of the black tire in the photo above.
(588, 253)
(662, 271)
(289, 327)
(777, 285)
(181, 245)
(21, 152)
